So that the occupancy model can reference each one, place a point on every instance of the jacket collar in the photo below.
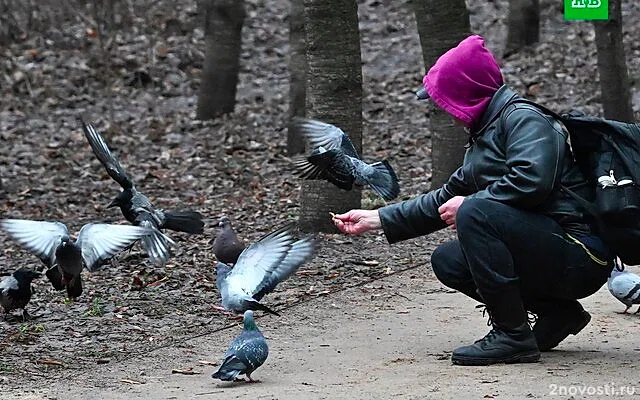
(498, 102)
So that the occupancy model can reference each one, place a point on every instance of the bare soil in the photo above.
(356, 324)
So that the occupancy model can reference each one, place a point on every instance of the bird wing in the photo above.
(626, 288)
(258, 261)
(299, 252)
(320, 133)
(108, 160)
(8, 283)
(39, 237)
(100, 241)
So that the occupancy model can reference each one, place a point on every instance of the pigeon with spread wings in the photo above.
(137, 208)
(335, 159)
(260, 267)
(51, 242)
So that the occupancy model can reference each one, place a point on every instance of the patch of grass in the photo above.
(5, 368)
(96, 309)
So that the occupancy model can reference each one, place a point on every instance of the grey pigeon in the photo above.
(51, 242)
(335, 159)
(260, 268)
(246, 353)
(227, 246)
(624, 286)
(15, 291)
(137, 208)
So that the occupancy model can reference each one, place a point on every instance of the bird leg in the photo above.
(638, 310)
(25, 315)
(252, 380)
(228, 313)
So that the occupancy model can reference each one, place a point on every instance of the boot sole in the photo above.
(574, 331)
(530, 357)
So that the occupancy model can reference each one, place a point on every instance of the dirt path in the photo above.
(389, 339)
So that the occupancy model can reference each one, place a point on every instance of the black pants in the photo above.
(502, 250)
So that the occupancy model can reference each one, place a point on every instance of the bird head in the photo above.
(224, 222)
(26, 275)
(248, 321)
(121, 199)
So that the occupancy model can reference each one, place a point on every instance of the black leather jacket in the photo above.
(519, 160)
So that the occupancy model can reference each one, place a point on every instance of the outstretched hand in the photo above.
(355, 222)
(449, 210)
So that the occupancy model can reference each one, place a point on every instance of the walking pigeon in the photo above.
(137, 208)
(227, 246)
(246, 353)
(260, 268)
(624, 286)
(51, 242)
(15, 291)
(334, 158)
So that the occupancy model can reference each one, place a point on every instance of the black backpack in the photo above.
(608, 154)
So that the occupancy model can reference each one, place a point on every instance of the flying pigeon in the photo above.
(246, 353)
(260, 268)
(15, 291)
(137, 208)
(624, 286)
(227, 246)
(335, 159)
(51, 242)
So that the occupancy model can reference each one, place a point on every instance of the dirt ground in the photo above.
(361, 320)
(391, 338)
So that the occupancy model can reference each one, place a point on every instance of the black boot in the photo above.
(553, 326)
(510, 340)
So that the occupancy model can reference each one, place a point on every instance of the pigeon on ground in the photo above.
(334, 158)
(260, 268)
(624, 286)
(65, 259)
(137, 208)
(245, 354)
(227, 246)
(15, 291)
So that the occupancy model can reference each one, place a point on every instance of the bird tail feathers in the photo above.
(157, 245)
(184, 221)
(384, 180)
(230, 369)
(252, 304)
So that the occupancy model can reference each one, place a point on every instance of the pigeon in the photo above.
(246, 353)
(260, 268)
(335, 159)
(65, 259)
(227, 246)
(624, 286)
(137, 208)
(15, 291)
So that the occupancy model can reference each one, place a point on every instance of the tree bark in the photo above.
(334, 95)
(612, 66)
(297, 73)
(523, 24)
(223, 41)
(441, 26)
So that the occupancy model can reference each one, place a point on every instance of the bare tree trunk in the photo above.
(334, 95)
(523, 24)
(297, 73)
(612, 66)
(441, 26)
(223, 38)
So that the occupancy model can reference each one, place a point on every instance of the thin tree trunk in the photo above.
(523, 24)
(612, 66)
(223, 41)
(297, 73)
(441, 26)
(334, 95)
